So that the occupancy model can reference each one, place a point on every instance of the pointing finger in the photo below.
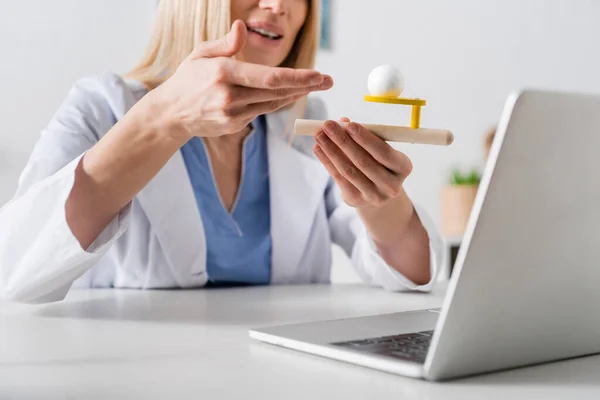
(263, 77)
(245, 95)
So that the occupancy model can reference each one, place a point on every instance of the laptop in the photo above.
(526, 283)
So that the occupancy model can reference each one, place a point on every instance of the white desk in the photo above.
(194, 344)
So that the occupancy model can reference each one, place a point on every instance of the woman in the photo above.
(181, 175)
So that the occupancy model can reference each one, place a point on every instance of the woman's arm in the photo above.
(370, 175)
(224, 97)
(113, 171)
(400, 237)
(75, 188)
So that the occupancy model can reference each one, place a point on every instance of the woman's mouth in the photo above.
(266, 33)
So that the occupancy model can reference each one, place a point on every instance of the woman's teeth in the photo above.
(265, 33)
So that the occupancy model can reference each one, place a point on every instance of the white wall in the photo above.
(464, 57)
(48, 44)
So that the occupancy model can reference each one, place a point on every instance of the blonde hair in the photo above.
(181, 25)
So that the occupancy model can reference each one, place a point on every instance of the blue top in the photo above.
(238, 242)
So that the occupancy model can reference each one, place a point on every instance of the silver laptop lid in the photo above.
(526, 283)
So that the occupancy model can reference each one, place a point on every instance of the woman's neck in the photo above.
(226, 161)
(228, 142)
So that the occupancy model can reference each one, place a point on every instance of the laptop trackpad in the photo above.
(357, 328)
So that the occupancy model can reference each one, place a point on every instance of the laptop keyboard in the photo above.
(410, 347)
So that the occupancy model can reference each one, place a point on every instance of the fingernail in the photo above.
(316, 80)
(320, 137)
(327, 82)
(352, 128)
(330, 127)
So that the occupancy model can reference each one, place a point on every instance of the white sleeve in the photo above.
(39, 256)
(375, 271)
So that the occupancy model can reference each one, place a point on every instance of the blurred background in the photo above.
(463, 56)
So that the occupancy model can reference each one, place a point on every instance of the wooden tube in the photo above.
(389, 133)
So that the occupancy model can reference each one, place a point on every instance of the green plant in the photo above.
(470, 178)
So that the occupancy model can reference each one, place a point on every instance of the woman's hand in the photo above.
(212, 94)
(368, 170)
(370, 175)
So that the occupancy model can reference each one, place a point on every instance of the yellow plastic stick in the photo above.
(412, 134)
(415, 119)
(396, 100)
(416, 104)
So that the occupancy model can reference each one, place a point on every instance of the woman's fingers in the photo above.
(227, 46)
(387, 182)
(350, 191)
(264, 77)
(245, 95)
(379, 149)
(252, 102)
(251, 111)
(347, 168)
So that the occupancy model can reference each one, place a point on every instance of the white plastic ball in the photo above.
(385, 81)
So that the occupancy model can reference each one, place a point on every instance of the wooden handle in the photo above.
(389, 133)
